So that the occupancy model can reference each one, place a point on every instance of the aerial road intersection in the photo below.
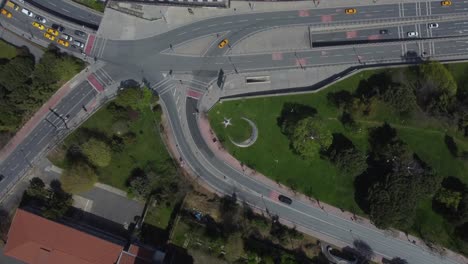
(355, 37)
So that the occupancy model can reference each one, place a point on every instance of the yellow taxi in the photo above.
(52, 31)
(63, 42)
(350, 11)
(6, 13)
(37, 25)
(13, 5)
(49, 36)
(446, 3)
(223, 43)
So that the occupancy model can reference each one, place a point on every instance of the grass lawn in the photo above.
(7, 51)
(93, 4)
(159, 215)
(147, 147)
(272, 156)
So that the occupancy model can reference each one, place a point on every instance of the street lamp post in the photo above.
(357, 56)
(299, 61)
(233, 66)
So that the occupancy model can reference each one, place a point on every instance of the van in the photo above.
(12, 5)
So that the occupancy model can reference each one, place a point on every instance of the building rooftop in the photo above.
(37, 240)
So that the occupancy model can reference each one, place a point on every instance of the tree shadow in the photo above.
(293, 113)
(454, 183)
(340, 142)
(373, 86)
(451, 145)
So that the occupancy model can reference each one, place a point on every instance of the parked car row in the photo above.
(53, 33)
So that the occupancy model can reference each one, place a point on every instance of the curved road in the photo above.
(151, 58)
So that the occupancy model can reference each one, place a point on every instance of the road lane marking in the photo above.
(259, 19)
(65, 10)
(195, 29)
(225, 23)
(243, 20)
(180, 34)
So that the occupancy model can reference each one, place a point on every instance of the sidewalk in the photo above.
(277, 189)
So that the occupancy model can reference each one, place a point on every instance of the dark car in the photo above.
(383, 31)
(80, 33)
(58, 27)
(1, 177)
(285, 199)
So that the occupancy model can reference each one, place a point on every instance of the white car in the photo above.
(412, 34)
(67, 37)
(433, 25)
(41, 19)
(79, 44)
(27, 12)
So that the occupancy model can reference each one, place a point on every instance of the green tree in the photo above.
(401, 98)
(98, 152)
(291, 114)
(436, 87)
(350, 161)
(16, 72)
(400, 180)
(78, 178)
(140, 186)
(448, 198)
(130, 97)
(37, 188)
(310, 136)
(57, 205)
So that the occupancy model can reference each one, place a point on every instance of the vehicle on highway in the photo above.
(59, 28)
(79, 44)
(41, 19)
(52, 31)
(433, 25)
(412, 34)
(67, 37)
(350, 11)
(223, 43)
(383, 31)
(63, 42)
(284, 199)
(37, 25)
(49, 36)
(12, 5)
(446, 3)
(80, 33)
(6, 13)
(27, 12)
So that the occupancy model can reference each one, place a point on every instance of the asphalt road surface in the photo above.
(69, 10)
(151, 57)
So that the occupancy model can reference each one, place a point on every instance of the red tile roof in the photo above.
(136, 255)
(36, 240)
